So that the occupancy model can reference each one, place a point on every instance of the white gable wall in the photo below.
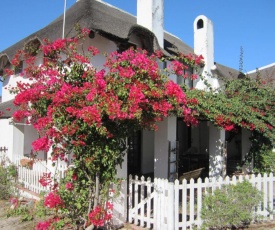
(6, 138)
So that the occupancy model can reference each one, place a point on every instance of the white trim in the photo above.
(264, 67)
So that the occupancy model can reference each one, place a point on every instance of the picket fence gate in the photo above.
(164, 205)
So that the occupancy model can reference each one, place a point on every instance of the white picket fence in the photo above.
(29, 177)
(165, 205)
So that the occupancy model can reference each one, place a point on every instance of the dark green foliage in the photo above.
(263, 154)
(232, 206)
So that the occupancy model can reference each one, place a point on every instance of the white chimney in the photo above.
(150, 14)
(204, 40)
(204, 45)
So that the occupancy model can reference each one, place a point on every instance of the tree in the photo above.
(86, 112)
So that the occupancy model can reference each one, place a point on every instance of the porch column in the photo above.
(120, 202)
(147, 152)
(166, 132)
(246, 144)
(216, 142)
(18, 141)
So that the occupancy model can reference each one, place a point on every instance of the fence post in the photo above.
(171, 203)
(265, 207)
(149, 188)
(176, 209)
(142, 196)
(162, 217)
(184, 203)
(136, 195)
(199, 200)
(259, 186)
(271, 183)
(191, 201)
(130, 199)
(156, 204)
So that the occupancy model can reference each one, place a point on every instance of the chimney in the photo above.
(204, 40)
(150, 14)
(204, 45)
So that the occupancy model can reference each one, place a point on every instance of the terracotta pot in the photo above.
(28, 163)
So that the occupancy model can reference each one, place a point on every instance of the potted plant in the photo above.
(28, 163)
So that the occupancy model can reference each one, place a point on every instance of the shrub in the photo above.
(12, 171)
(230, 207)
(262, 153)
(6, 188)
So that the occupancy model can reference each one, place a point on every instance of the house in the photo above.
(150, 153)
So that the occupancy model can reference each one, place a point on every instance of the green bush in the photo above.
(5, 184)
(8, 176)
(230, 207)
(12, 172)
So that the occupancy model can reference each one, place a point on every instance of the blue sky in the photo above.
(237, 23)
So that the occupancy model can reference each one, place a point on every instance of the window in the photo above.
(188, 82)
(19, 68)
(125, 46)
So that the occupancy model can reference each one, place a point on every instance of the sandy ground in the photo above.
(13, 223)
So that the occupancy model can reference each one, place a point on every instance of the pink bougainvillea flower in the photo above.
(69, 186)
(43, 225)
(74, 176)
(53, 200)
(45, 180)
(41, 144)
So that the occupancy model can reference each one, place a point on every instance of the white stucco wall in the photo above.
(6, 138)
(7, 84)
(104, 45)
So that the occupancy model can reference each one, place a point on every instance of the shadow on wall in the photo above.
(217, 160)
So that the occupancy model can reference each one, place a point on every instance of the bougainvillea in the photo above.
(239, 103)
(242, 103)
(100, 215)
(53, 200)
(88, 112)
(45, 225)
(46, 179)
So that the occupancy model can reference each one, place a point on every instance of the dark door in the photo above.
(134, 153)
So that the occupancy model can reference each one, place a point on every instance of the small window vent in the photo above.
(200, 24)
